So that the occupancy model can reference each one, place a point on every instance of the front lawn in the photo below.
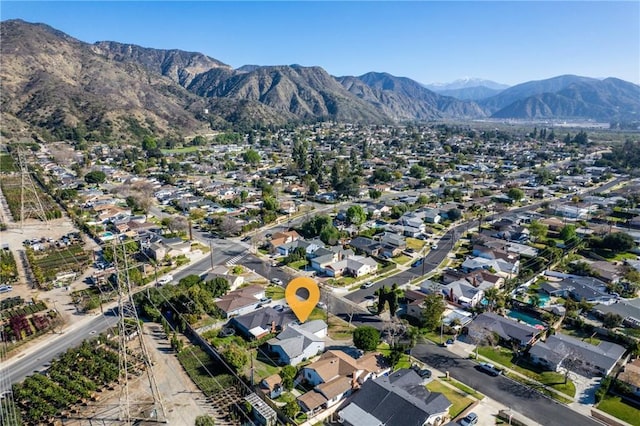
(385, 350)
(459, 400)
(403, 259)
(617, 408)
(552, 379)
(300, 264)
(274, 292)
(414, 243)
(339, 329)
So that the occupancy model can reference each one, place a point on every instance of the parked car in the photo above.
(368, 284)
(5, 288)
(469, 420)
(277, 281)
(488, 368)
(434, 247)
(418, 262)
(247, 238)
(265, 300)
(322, 305)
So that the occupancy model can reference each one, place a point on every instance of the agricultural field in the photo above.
(8, 267)
(10, 186)
(21, 320)
(48, 263)
(74, 378)
(7, 165)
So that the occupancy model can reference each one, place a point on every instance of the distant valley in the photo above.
(60, 87)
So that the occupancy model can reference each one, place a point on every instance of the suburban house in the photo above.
(508, 330)
(280, 238)
(607, 271)
(259, 323)
(499, 266)
(365, 245)
(392, 239)
(272, 386)
(354, 266)
(241, 301)
(560, 350)
(629, 310)
(298, 343)
(432, 216)
(412, 226)
(414, 300)
(399, 399)
(309, 247)
(480, 278)
(335, 375)
(463, 293)
(221, 271)
(590, 289)
(630, 375)
(324, 257)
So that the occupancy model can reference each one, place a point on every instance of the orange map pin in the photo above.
(302, 308)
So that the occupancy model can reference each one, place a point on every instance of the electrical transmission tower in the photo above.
(30, 204)
(139, 395)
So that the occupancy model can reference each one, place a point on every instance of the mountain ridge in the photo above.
(59, 85)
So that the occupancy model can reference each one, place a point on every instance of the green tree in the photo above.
(356, 215)
(416, 171)
(149, 143)
(538, 230)
(290, 409)
(366, 338)
(375, 194)
(516, 194)
(288, 374)
(568, 232)
(205, 421)
(611, 320)
(218, 286)
(454, 214)
(330, 235)
(236, 356)
(618, 242)
(434, 307)
(251, 157)
(95, 176)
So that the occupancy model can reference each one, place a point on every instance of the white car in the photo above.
(277, 281)
(165, 280)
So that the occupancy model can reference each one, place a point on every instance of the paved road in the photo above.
(20, 367)
(520, 398)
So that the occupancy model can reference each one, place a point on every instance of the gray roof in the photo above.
(400, 399)
(264, 318)
(506, 328)
(295, 338)
(623, 308)
(356, 416)
(560, 346)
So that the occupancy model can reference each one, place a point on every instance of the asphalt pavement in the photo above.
(514, 395)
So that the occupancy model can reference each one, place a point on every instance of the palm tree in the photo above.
(492, 295)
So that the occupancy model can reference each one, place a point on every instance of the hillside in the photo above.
(64, 88)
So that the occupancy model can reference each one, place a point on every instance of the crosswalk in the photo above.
(234, 260)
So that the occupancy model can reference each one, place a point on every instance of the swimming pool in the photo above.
(107, 236)
(525, 318)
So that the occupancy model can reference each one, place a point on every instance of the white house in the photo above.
(298, 343)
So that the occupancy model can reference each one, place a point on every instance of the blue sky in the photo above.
(508, 42)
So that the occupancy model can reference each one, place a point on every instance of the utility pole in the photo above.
(211, 253)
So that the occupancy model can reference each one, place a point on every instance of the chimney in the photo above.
(273, 327)
(451, 294)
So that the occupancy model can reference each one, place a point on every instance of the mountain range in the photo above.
(61, 87)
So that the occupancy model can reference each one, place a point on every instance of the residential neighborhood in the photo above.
(521, 259)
